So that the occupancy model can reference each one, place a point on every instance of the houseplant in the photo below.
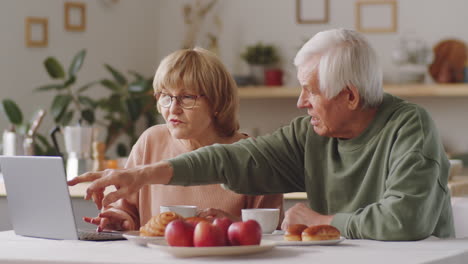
(130, 101)
(19, 129)
(260, 56)
(118, 113)
(68, 100)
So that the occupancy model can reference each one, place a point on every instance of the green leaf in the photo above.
(54, 68)
(69, 82)
(133, 108)
(50, 87)
(121, 150)
(77, 62)
(137, 75)
(12, 111)
(85, 100)
(111, 85)
(115, 104)
(59, 106)
(88, 116)
(86, 87)
(66, 118)
(119, 77)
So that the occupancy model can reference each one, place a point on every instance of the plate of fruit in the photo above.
(222, 237)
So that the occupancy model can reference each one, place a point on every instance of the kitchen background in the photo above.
(136, 35)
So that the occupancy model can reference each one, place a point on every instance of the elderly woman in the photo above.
(197, 98)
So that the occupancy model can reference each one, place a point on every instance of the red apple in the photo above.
(224, 224)
(245, 233)
(194, 220)
(179, 234)
(208, 235)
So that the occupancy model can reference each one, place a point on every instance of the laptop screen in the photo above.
(39, 203)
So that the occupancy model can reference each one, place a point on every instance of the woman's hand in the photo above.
(110, 220)
(212, 213)
(301, 214)
(126, 181)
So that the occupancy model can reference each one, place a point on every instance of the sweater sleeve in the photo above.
(413, 192)
(265, 165)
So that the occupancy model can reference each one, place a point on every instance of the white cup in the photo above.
(456, 167)
(183, 210)
(268, 218)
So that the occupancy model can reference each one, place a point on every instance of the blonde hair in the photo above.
(346, 58)
(202, 71)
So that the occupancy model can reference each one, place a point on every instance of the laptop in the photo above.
(39, 203)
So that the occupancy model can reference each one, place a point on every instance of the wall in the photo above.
(123, 35)
(246, 22)
(137, 34)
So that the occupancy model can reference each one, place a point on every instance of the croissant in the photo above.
(157, 224)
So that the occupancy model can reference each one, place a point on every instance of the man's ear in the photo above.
(353, 97)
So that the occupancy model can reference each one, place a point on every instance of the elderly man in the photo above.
(372, 164)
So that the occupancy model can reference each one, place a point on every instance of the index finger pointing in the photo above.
(87, 177)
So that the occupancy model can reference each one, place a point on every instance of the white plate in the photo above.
(134, 237)
(279, 240)
(275, 233)
(185, 252)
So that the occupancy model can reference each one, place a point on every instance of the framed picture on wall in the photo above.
(312, 11)
(376, 16)
(75, 16)
(36, 32)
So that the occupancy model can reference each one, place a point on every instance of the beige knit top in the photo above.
(157, 144)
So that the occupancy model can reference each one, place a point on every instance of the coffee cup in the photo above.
(268, 218)
(182, 210)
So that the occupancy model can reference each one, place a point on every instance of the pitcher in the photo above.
(78, 141)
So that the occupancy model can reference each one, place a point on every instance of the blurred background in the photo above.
(134, 35)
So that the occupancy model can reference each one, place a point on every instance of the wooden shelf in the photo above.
(403, 90)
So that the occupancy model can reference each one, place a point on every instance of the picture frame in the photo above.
(312, 11)
(376, 16)
(75, 16)
(36, 32)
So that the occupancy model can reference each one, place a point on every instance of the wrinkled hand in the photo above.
(127, 182)
(212, 213)
(301, 214)
(110, 220)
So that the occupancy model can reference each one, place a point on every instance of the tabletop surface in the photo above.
(18, 249)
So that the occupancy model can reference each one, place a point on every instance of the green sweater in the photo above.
(389, 183)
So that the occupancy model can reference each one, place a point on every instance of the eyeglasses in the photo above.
(184, 101)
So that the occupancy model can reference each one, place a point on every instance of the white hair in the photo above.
(345, 58)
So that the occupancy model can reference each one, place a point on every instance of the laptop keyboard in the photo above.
(96, 236)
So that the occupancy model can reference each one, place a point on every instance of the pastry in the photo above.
(157, 224)
(194, 220)
(320, 232)
(294, 232)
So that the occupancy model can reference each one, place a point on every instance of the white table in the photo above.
(17, 249)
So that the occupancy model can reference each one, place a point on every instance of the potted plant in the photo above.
(130, 101)
(67, 100)
(260, 56)
(22, 137)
